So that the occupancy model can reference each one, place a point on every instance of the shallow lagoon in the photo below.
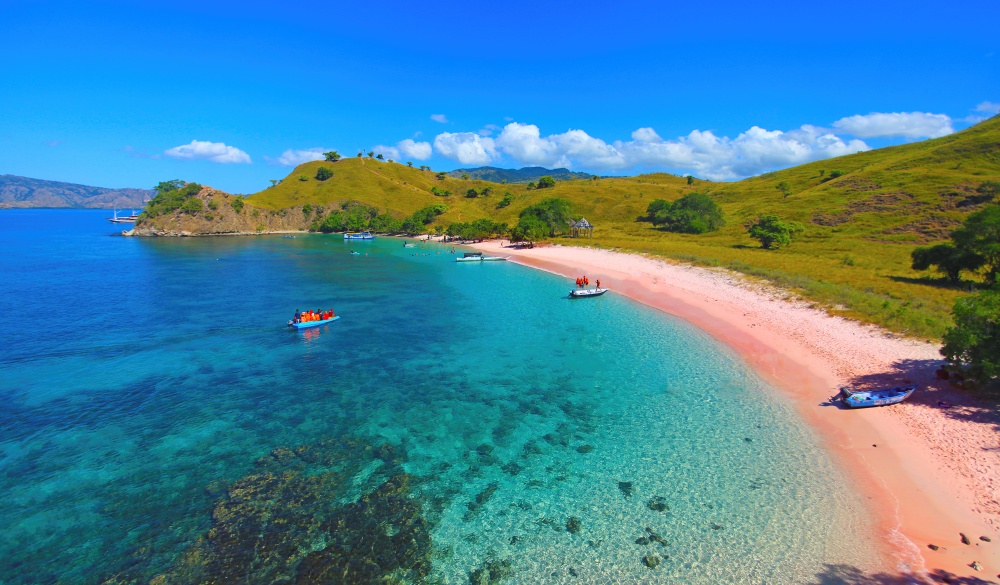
(539, 439)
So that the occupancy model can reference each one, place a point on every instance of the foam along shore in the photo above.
(927, 469)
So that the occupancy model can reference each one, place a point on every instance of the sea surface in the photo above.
(460, 423)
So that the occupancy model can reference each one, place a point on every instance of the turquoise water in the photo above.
(154, 400)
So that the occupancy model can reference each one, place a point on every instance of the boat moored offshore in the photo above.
(359, 236)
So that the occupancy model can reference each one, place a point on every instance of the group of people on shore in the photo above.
(307, 316)
(584, 281)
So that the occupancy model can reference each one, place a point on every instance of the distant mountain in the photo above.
(25, 192)
(524, 175)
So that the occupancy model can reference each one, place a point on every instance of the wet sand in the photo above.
(927, 469)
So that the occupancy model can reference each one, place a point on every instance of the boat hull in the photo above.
(483, 259)
(361, 236)
(311, 324)
(870, 398)
(583, 293)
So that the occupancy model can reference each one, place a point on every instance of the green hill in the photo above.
(863, 213)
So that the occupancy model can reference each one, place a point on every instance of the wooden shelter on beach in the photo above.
(581, 227)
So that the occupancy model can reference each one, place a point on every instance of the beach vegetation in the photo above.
(479, 229)
(973, 344)
(772, 232)
(553, 213)
(947, 259)
(980, 236)
(694, 213)
(323, 174)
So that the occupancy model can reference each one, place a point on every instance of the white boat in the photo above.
(578, 293)
(359, 236)
(478, 257)
(124, 218)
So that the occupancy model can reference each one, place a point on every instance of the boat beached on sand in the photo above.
(882, 397)
(478, 257)
(577, 293)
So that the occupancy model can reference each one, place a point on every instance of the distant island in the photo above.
(525, 175)
(25, 192)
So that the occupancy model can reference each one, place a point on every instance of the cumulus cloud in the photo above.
(216, 152)
(293, 158)
(900, 124)
(439, 118)
(412, 149)
(990, 108)
(389, 152)
(525, 143)
(468, 148)
(722, 158)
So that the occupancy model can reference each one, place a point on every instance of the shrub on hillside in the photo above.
(772, 232)
(237, 204)
(170, 196)
(508, 198)
(323, 174)
(546, 182)
(947, 258)
(694, 213)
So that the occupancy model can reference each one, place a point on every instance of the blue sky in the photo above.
(230, 94)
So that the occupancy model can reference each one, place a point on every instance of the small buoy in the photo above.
(933, 546)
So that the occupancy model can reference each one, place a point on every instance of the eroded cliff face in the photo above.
(224, 214)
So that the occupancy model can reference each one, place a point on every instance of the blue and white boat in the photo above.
(359, 236)
(309, 324)
(882, 397)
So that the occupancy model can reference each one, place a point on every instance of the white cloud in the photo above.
(417, 150)
(488, 129)
(293, 158)
(990, 108)
(904, 124)
(216, 152)
(525, 143)
(389, 152)
(467, 148)
(439, 118)
(722, 158)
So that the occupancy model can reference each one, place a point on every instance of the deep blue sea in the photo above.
(460, 423)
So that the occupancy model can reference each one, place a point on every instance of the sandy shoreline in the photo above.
(932, 471)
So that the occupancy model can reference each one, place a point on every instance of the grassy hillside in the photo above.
(863, 213)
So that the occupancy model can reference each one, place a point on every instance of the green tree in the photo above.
(695, 213)
(947, 258)
(275, 182)
(323, 174)
(554, 212)
(690, 180)
(472, 193)
(332, 156)
(371, 153)
(772, 232)
(440, 176)
(529, 228)
(980, 234)
(409, 163)
(974, 342)
(531, 185)
(784, 187)
(237, 204)
(546, 182)
(379, 156)
(192, 205)
(307, 209)
(508, 198)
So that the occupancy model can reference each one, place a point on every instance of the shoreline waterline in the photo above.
(919, 497)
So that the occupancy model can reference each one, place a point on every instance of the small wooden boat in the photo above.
(881, 397)
(359, 236)
(478, 257)
(578, 293)
(309, 324)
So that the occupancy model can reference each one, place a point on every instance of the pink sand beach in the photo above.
(931, 465)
